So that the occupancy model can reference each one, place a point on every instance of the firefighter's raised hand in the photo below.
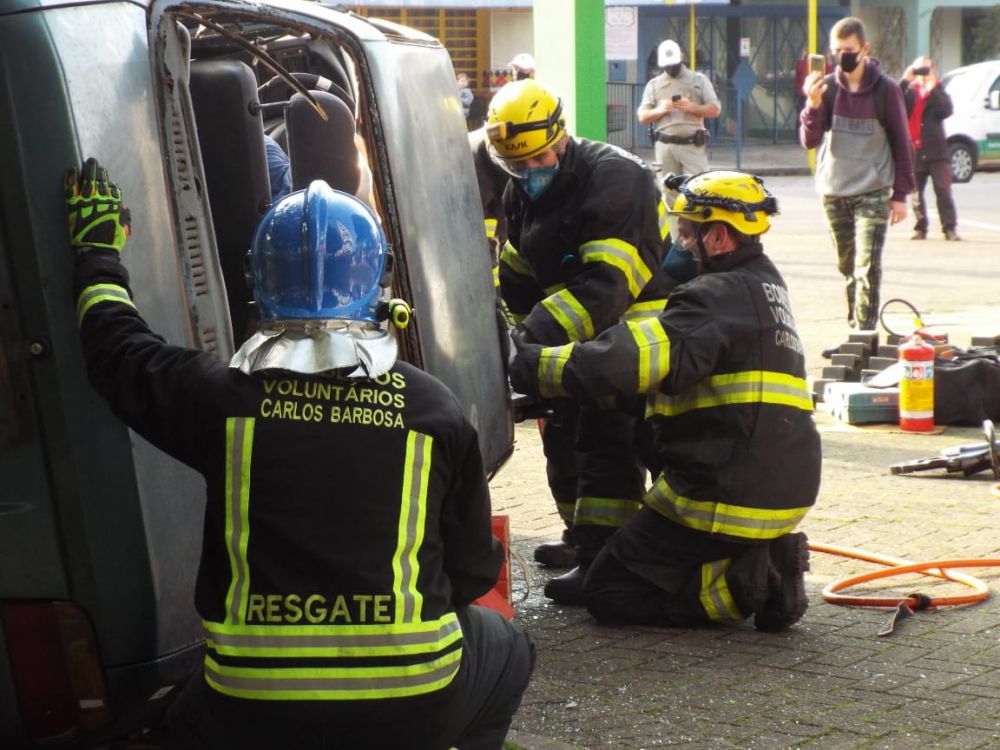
(95, 214)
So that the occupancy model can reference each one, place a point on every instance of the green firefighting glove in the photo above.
(94, 211)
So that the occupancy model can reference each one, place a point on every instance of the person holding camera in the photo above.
(927, 107)
(676, 103)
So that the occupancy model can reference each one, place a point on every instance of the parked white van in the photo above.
(973, 131)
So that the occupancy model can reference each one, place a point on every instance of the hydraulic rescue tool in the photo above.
(969, 459)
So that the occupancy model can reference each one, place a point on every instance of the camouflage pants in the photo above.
(857, 225)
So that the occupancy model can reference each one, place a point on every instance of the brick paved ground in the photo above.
(830, 682)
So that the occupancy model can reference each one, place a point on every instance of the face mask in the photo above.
(673, 70)
(680, 263)
(536, 180)
(848, 61)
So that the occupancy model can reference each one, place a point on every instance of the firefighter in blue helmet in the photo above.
(723, 375)
(347, 524)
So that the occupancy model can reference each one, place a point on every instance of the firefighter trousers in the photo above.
(473, 712)
(656, 572)
(594, 471)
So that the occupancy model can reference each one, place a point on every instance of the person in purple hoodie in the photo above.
(864, 167)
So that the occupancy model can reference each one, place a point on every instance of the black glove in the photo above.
(523, 365)
(95, 214)
(673, 181)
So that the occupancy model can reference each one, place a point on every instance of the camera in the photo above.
(921, 71)
(675, 98)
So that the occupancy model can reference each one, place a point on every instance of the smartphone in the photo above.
(675, 98)
(817, 64)
(921, 71)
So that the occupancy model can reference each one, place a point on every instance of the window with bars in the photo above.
(458, 30)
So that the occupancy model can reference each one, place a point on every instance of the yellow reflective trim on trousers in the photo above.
(642, 310)
(662, 219)
(722, 518)
(551, 363)
(604, 511)
(412, 516)
(653, 352)
(95, 293)
(239, 446)
(570, 314)
(512, 258)
(623, 256)
(333, 641)
(490, 225)
(715, 595)
(751, 387)
(333, 683)
(496, 275)
(550, 290)
(566, 511)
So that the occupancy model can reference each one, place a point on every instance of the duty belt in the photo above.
(699, 138)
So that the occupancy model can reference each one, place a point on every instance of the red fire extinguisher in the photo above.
(916, 386)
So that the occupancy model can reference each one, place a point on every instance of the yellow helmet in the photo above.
(524, 119)
(736, 198)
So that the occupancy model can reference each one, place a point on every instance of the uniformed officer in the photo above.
(585, 241)
(723, 374)
(678, 101)
(347, 525)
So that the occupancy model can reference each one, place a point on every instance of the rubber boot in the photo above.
(787, 600)
(561, 554)
(568, 588)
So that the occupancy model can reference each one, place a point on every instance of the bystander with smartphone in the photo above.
(927, 107)
(676, 103)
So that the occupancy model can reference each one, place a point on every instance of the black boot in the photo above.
(787, 600)
(568, 588)
(561, 554)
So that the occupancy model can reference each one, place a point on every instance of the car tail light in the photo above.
(56, 668)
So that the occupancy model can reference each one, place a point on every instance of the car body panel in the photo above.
(91, 513)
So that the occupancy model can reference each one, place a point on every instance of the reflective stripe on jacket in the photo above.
(588, 248)
(724, 378)
(346, 518)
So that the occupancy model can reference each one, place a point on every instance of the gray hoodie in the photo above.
(858, 153)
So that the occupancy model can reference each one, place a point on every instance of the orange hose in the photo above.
(899, 566)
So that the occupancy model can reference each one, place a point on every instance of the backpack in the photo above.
(831, 93)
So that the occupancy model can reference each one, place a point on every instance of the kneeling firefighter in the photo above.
(347, 524)
(723, 374)
(585, 238)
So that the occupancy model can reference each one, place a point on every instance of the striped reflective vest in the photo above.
(724, 378)
(587, 250)
(346, 518)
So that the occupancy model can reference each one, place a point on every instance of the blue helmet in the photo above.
(318, 254)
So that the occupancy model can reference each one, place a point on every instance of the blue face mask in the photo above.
(680, 264)
(536, 180)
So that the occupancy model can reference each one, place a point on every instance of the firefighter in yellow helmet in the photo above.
(585, 238)
(723, 376)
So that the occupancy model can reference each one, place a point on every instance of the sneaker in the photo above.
(787, 600)
(567, 588)
(918, 235)
(950, 235)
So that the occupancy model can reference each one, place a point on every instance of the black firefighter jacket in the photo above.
(724, 378)
(345, 518)
(588, 251)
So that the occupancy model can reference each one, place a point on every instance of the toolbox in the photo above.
(855, 403)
